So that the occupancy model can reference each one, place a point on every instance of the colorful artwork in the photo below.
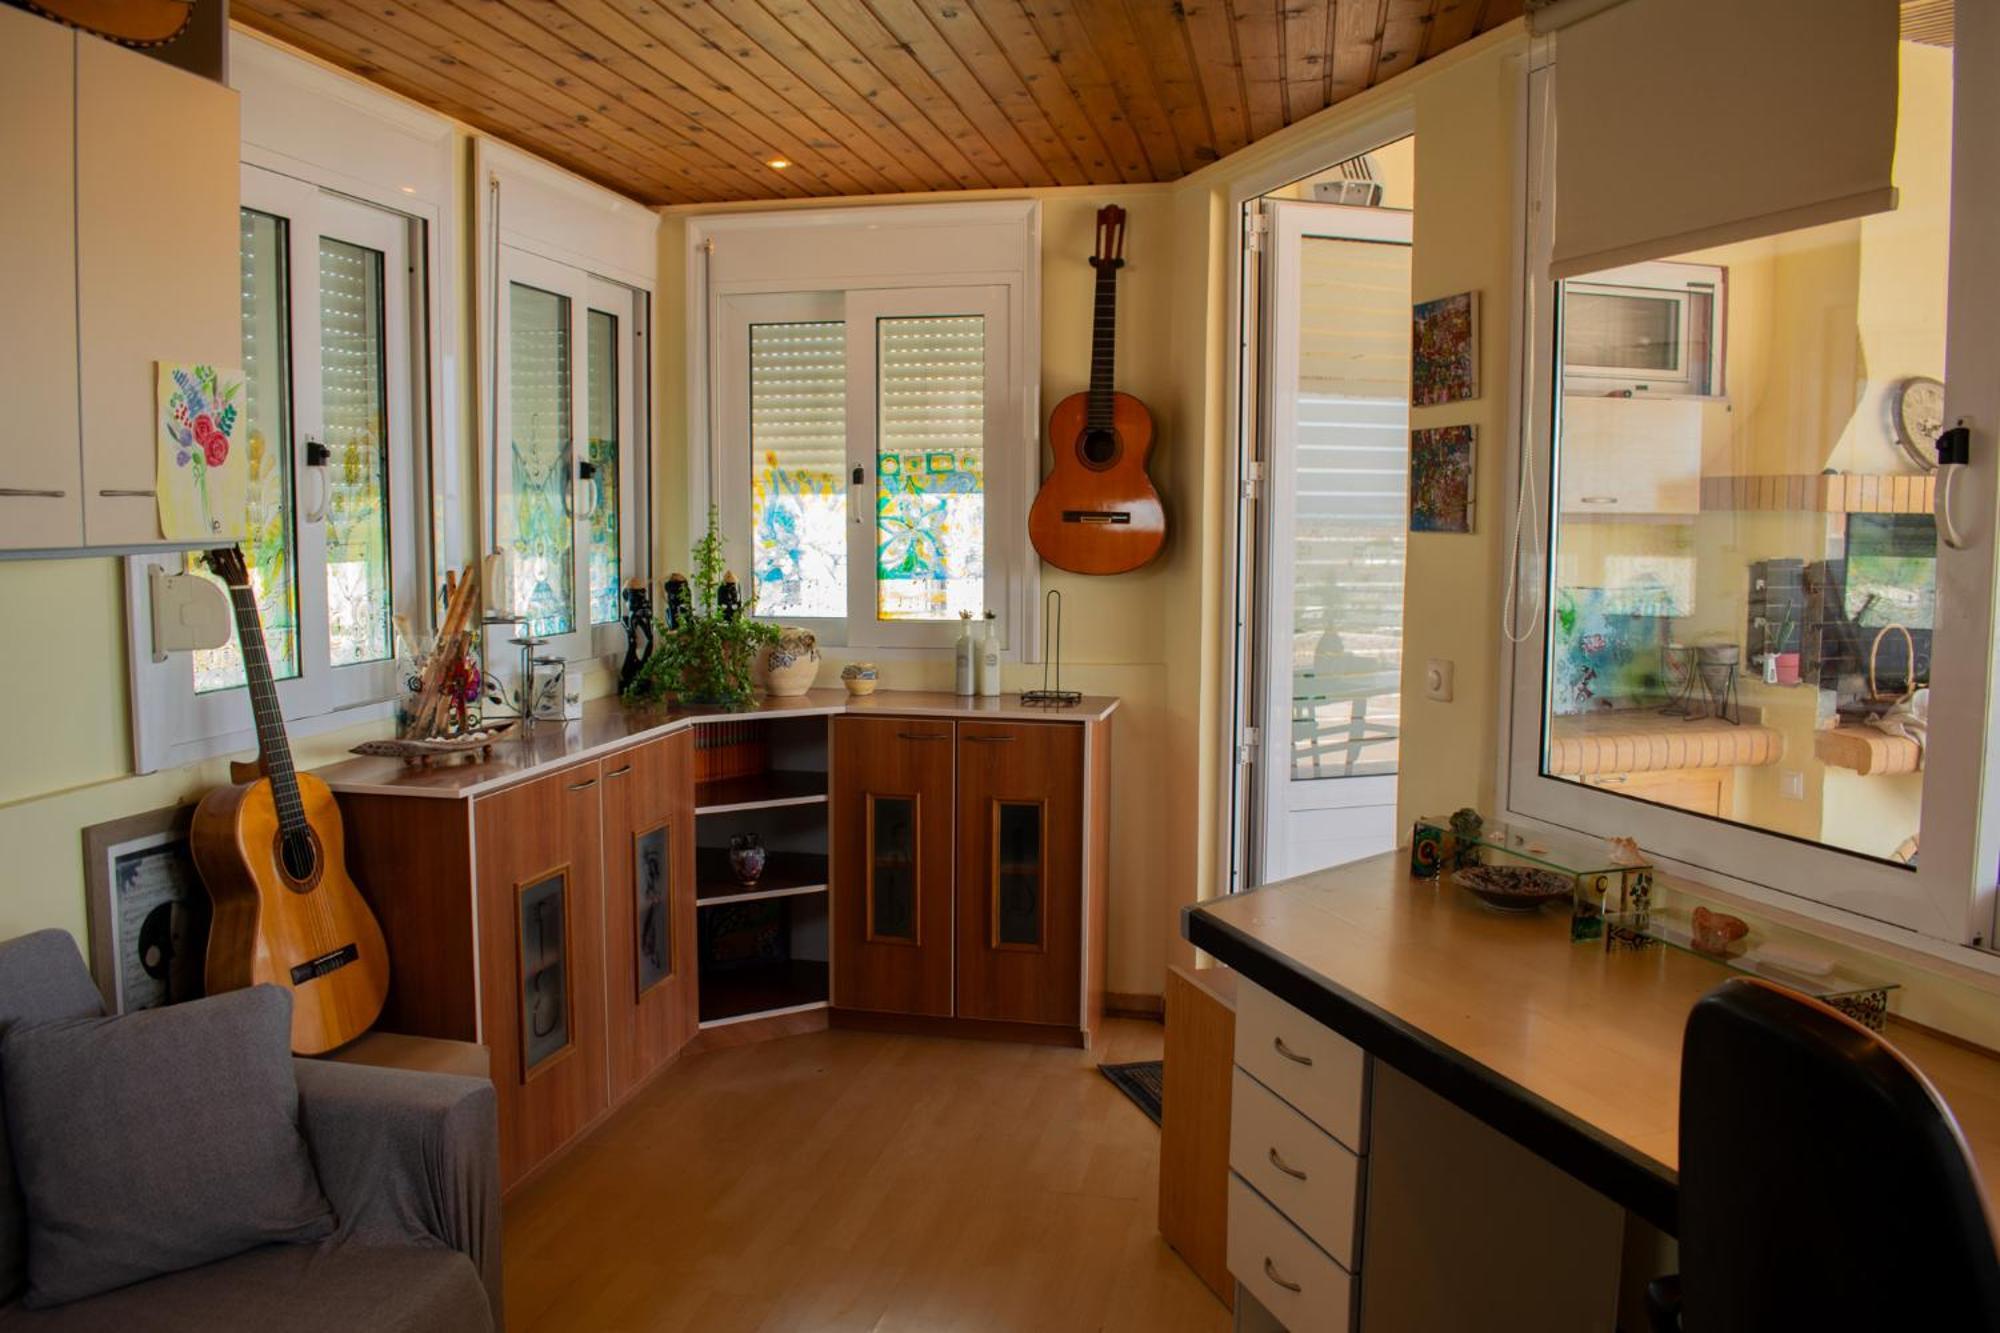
(930, 532)
(1602, 659)
(1441, 472)
(1444, 350)
(202, 479)
(799, 521)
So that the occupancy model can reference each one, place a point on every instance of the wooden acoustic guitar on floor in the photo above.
(1097, 512)
(274, 858)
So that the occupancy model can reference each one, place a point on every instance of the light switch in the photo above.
(1792, 784)
(1437, 679)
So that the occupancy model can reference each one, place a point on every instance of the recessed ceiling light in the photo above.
(777, 163)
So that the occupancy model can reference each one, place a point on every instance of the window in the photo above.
(1644, 329)
(871, 459)
(334, 392)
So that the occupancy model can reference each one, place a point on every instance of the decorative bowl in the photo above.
(859, 677)
(1512, 888)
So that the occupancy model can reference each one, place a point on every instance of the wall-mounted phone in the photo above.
(1954, 453)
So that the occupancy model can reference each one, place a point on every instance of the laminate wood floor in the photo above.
(855, 1180)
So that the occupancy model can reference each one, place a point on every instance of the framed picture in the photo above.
(1444, 350)
(652, 880)
(147, 910)
(544, 934)
(1441, 477)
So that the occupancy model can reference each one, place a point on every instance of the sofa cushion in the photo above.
(327, 1288)
(42, 978)
(157, 1141)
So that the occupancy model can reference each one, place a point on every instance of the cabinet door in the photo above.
(157, 272)
(1631, 455)
(541, 950)
(892, 848)
(41, 480)
(649, 966)
(1020, 872)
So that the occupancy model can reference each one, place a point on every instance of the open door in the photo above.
(1336, 465)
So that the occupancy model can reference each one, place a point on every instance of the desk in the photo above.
(1570, 1051)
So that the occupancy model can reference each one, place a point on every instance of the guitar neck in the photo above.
(1103, 349)
(272, 743)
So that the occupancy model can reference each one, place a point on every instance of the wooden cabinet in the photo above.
(1020, 872)
(893, 914)
(41, 477)
(1631, 455)
(969, 873)
(649, 878)
(120, 236)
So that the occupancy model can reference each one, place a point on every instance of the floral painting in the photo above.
(1444, 350)
(1441, 461)
(203, 479)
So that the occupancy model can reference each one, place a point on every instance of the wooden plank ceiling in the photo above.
(687, 101)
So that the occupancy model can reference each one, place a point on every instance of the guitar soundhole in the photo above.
(298, 858)
(1098, 449)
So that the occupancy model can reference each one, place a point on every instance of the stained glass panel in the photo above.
(535, 514)
(601, 389)
(267, 407)
(798, 448)
(930, 508)
(354, 407)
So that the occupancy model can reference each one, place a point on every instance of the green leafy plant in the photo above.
(708, 657)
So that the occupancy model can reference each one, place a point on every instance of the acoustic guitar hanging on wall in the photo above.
(1097, 512)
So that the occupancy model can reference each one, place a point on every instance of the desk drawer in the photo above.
(1321, 1074)
(1288, 1274)
(1297, 1166)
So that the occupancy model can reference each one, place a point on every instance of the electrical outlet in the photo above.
(1437, 679)
(1792, 785)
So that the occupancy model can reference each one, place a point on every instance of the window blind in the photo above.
(798, 458)
(930, 466)
(1684, 124)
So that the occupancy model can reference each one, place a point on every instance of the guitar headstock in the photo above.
(1110, 238)
(226, 563)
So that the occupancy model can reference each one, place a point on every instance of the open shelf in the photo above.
(763, 987)
(786, 874)
(760, 791)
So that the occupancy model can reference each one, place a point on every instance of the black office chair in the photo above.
(1823, 1184)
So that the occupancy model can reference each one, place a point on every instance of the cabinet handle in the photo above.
(1285, 1166)
(1278, 1045)
(990, 740)
(1597, 499)
(923, 735)
(1271, 1271)
(123, 493)
(1606, 779)
(619, 772)
(28, 493)
(584, 785)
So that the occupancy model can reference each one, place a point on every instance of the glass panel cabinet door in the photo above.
(1019, 874)
(892, 868)
(544, 938)
(892, 835)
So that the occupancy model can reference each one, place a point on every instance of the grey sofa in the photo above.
(409, 1161)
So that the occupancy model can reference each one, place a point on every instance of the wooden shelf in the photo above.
(760, 791)
(786, 875)
(762, 988)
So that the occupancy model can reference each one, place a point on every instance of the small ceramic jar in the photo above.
(746, 858)
(859, 677)
(791, 663)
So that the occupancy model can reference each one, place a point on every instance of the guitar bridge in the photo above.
(1099, 516)
(314, 968)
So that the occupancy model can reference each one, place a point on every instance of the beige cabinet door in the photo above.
(41, 482)
(157, 272)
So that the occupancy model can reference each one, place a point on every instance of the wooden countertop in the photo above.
(608, 726)
(1643, 740)
(1571, 1051)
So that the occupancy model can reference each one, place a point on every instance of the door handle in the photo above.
(1271, 1271)
(1285, 1166)
(118, 493)
(585, 785)
(619, 772)
(990, 740)
(28, 493)
(1278, 1045)
(923, 735)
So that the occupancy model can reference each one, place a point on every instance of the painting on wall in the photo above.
(1444, 350)
(1441, 460)
(202, 478)
(1602, 658)
(148, 913)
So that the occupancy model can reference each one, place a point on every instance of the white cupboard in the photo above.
(124, 178)
(1631, 455)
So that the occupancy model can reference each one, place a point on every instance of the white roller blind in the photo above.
(1682, 124)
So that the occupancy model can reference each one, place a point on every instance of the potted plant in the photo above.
(707, 650)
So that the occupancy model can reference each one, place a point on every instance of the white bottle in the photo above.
(989, 659)
(962, 655)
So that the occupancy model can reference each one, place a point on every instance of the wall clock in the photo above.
(1916, 416)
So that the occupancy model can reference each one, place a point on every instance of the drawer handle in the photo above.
(1598, 499)
(1285, 1166)
(618, 772)
(29, 493)
(1271, 1271)
(121, 493)
(923, 735)
(1278, 1045)
(585, 785)
(990, 740)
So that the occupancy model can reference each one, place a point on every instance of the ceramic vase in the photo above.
(746, 858)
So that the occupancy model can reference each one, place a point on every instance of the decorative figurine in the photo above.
(638, 627)
(729, 598)
(1625, 852)
(746, 858)
(1714, 932)
(679, 604)
(1466, 824)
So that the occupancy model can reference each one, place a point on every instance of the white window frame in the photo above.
(957, 258)
(1665, 281)
(1946, 903)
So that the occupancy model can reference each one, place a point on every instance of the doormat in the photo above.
(1140, 1081)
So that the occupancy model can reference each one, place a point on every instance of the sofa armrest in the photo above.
(407, 1157)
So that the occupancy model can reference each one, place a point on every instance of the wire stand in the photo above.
(1052, 696)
